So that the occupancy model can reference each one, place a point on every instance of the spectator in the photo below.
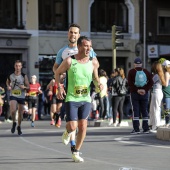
(156, 95)
(118, 98)
(47, 103)
(109, 106)
(2, 91)
(103, 96)
(5, 108)
(166, 92)
(139, 95)
(41, 99)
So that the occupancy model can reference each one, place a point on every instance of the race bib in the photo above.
(34, 94)
(16, 92)
(56, 91)
(80, 91)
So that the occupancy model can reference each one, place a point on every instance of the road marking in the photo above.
(126, 139)
(123, 139)
(87, 158)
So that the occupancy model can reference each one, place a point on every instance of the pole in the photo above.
(113, 47)
(114, 59)
(144, 33)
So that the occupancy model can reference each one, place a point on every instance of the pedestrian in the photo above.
(67, 51)
(109, 106)
(103, 95)
(46, 103)
(2, 91)
(140, 82)
(156, 95)
(81, 69)
(166, 92)
(17, 83)
(119, 91)
(32, 98)
(6, 112)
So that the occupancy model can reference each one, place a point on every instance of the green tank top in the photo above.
(79, 79)
(166, 91)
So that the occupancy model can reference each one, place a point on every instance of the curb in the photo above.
(163, 133)
(104, 123)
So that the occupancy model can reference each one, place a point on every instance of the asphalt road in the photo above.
(105, 148)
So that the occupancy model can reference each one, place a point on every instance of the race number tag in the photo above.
(16, 92)
(56, 91)
(80, 91)
(34, 94)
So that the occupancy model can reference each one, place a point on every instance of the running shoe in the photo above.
(32, 124)
(52, 122)
(19, 130)
(8, 120)
(13, 127)
(66, 137)
(58, 123)
(76, 157)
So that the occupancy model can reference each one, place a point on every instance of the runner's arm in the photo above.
(26, 83)
(96, 79)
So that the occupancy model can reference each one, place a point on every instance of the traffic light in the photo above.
(116, 36)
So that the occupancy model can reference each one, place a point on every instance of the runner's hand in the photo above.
(61, 93)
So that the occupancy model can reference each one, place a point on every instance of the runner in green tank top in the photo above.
(81, 71)
(79, 80)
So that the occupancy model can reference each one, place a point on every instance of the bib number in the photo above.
(16, 92)
(80, 91)
(56, 91)
(34, 94)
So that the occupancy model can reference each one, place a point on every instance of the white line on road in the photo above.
(91, 159)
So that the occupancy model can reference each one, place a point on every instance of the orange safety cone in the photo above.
(36, 115)
(97, 115)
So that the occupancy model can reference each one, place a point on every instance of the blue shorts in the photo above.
(19, 100)
(77, 110)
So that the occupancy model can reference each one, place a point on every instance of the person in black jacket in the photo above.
(119, 91)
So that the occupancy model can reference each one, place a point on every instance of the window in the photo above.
(164, 22)
(54, 14)
(11, 14)
(106, 13)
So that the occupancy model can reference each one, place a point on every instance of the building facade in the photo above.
(34, 31)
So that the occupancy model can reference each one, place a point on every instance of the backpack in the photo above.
(140, 78)
(121, 87)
